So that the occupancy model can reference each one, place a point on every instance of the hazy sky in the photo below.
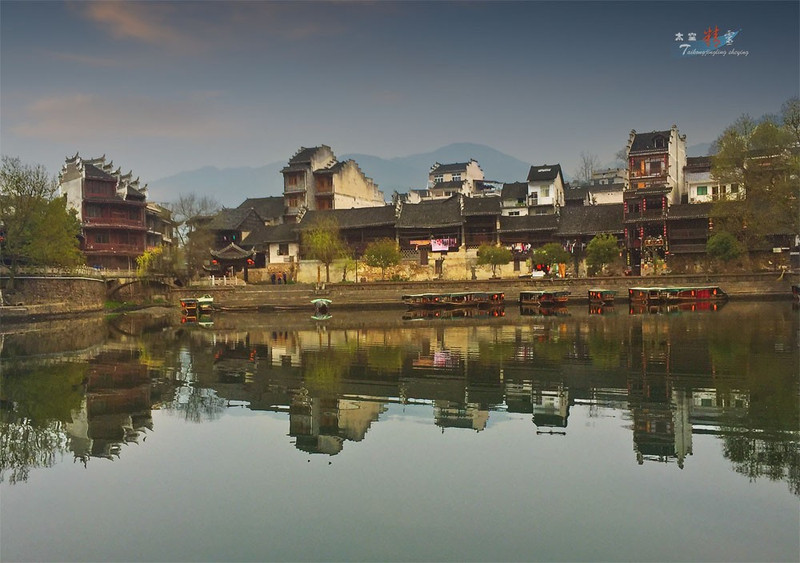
(163, 87)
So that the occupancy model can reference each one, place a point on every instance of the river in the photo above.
(582, 435)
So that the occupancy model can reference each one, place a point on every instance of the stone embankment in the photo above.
(377, 295)
(55, 296)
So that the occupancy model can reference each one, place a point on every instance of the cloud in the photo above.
(145, 22)
(83, 117)
(85, 60)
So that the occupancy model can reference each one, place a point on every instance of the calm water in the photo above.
(578, 436)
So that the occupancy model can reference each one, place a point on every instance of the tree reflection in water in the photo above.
(729, 373)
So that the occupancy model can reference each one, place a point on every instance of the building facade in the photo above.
(314, 179)
(656, 164)
(111, 208)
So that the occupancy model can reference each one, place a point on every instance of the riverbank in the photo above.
(379, 295)
(388, 294)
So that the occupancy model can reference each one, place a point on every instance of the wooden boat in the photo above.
(695, 293)
(453, 300)
(544, 298)
(599, 295)
(197, 305)
(321, 309)
(205, 304)
(644, 294)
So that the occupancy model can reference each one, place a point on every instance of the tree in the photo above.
(761, 158)
(323, 242)
(724, 246)
(382, 254)
(186, 212)
(36, 226)
(551, 253)
(790, 114)
(601, 251)
(587, 164)
(493, 256)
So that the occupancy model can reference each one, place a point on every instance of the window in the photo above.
(456, 177)
(283, 249)
(702, 190)
(513, 213)
(101, 238)
(659, 142)
(438, 179)
(92, 211)
(734, 188)
(655, 167)
(546, 191)
(291, 180)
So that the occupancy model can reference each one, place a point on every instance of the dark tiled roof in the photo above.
(690, 210)
(544, 172)
(231, 252)
(303, 156)
(698, 164)
(449, 168)
(515, 190)
(262, 236)
(431, 214)
(92, 171)
(646, 141)
(574, 194)
(233, 219)
(529, 223)
(652, 190)
(591, 219)
(333, 169)
(359, 217)
(481, 206)
(266, 207)
(133, 193)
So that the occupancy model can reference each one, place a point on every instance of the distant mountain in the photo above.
(231, 186)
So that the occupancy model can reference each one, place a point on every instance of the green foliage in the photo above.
(551, 253)
(37, 228)
(150, 262)
(382, 254)
(324, 243)
(724, 246)
(493, 256)
(601, 251)
(761, 158)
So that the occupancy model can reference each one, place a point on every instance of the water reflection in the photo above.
(731, 374)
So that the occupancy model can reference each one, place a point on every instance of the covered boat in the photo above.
(600, 295)
(544, 298)
(452, 300)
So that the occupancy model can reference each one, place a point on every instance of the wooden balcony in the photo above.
(114, 223)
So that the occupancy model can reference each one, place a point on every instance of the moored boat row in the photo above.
(454, 300)
(676, 294)
(560, 297)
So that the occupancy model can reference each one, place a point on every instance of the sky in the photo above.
(165, 87)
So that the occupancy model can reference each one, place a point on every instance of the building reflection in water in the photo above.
(674, 376)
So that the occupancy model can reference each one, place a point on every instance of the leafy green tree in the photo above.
(601, 251)
(551, 253)
(761, 158)
(382, 254)
(324, 243)
(724, 246)
(493, 256)
(36, 226)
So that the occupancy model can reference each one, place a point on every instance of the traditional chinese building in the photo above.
(315, 179)
(111, 208)
(656, 163)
